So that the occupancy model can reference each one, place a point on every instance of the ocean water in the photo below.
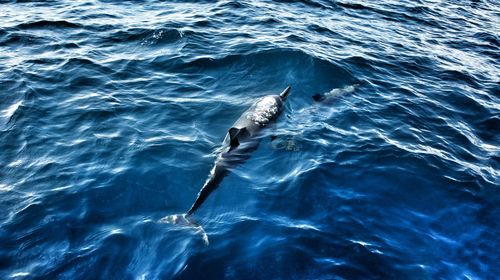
(111, 114)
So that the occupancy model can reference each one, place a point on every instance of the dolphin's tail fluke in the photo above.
(285, 93)
(187, 221)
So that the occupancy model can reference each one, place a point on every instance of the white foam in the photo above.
(340, 91)
(9, 112)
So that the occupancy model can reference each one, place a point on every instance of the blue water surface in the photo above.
(111, 114)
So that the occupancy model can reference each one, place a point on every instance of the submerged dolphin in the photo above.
(241, 139)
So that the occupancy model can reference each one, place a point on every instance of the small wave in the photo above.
(488, 38)
(77, 63)
(20, 38)
(145, 36)
(48, 24)
(307, 3)
(276, 60)
(321, 29)
(9, 112)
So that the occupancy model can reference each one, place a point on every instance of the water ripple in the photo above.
(112, 114)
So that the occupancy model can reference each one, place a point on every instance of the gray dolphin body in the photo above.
(241, 139)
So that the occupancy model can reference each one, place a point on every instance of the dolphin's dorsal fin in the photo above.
(234, 142)
(233, 136)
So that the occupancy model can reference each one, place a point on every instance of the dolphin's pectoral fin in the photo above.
(233, 136)
(234, 142)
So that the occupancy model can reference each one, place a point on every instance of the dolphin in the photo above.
(241, 139)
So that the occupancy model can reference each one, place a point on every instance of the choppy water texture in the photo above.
(111, 114)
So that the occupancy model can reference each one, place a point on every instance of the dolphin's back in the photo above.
(261, 113)
(216, 175)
